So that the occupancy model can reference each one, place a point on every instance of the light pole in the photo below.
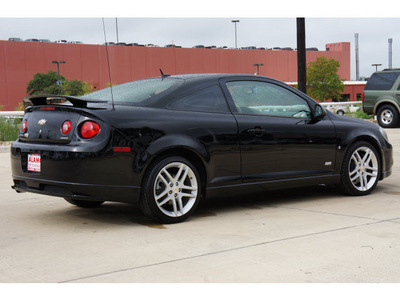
(376, 66)
(258, 68)
(58, 62)
(235, 21)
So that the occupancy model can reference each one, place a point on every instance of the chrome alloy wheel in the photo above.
(386, 116)
(363, 169)
(175, 189)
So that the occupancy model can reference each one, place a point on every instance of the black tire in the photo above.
(84, 203)
(388, 116)
(340, 112)
(360, 169)
(176, 183)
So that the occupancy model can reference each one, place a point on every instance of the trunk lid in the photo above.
(45, 126)
(44, 120)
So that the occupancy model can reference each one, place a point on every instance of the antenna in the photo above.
(108, 63)
(163, 75)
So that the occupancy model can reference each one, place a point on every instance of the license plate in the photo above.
(34, 162)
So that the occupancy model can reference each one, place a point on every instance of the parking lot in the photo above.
(300, 235)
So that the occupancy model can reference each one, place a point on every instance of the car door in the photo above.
(279, 138)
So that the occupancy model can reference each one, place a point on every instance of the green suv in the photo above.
(381, 97)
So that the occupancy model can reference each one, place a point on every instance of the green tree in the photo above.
(88, 88)
(46, 83)
(75, 88)
(43, 83)
(323, 81)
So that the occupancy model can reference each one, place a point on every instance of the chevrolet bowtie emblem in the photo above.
(42, 122)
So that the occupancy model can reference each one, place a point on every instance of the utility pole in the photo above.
(235, 21)
(376, 66)
(58, 62)
(357, 58)
(301, 55)
(258, 67)
(116, 28)
(390, 53)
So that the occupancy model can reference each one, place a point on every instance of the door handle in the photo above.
(257, 131)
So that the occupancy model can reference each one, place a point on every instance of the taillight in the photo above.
(24, 126)
(362, 97)
(66, 127)
(47, 108)
(89, 129)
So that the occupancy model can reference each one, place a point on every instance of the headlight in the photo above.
(384, 134)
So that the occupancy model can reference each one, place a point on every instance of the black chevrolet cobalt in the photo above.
(168, 142)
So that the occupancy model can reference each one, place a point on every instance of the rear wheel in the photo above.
(84, 203)
(171, 190)
(360, 169)
(340, 112)
(388, 116)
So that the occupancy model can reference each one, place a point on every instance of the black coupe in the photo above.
(169, 141)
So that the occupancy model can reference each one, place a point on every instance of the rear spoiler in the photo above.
(48, 99)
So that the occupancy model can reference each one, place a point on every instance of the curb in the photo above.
(5, 149)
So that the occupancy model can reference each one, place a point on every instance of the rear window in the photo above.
(381, 81)
(137, 92)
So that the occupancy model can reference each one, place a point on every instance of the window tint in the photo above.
(262, 98)
(381, 81)
(210, 99)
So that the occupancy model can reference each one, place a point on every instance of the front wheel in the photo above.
(171, 190)
(360, 170)
(388, 116)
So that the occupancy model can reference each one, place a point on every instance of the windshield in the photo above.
(137, 92)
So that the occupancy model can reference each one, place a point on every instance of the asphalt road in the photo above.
(301, 235)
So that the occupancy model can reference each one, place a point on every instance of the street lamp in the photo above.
(376, 66)
(58, 62)
(258, 68)
(235, 21)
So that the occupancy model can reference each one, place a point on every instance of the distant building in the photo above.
(19, 61)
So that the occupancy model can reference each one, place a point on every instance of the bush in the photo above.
(9, 128)
(362, 115)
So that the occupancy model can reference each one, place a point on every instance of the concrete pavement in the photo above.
(302, 235)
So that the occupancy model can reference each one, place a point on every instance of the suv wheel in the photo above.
(388, 116)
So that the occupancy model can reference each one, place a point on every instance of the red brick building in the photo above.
(19, 61)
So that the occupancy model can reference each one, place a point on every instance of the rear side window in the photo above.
(381, 81)
(208, 100)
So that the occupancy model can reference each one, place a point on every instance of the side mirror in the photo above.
(319, 112)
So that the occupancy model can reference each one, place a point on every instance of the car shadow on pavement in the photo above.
(259, 200)
(122, 214)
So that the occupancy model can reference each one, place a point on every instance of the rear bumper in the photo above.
(74, 190)
(105, 176)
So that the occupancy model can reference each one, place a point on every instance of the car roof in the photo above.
(213, 76)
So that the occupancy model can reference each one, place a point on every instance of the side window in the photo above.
(263, 98)
(381, 81)
(208, 100)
